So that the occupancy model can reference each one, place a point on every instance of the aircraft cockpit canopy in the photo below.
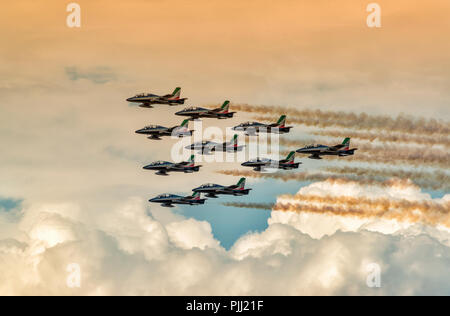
(165, 195)
(152, 126)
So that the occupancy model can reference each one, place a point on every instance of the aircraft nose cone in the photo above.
(146, 167)
(139, 131)
(245, 164)
(153, 200)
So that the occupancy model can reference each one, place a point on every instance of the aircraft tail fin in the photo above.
(176, 94)
(290, 158)
(184, 123)
(346, 143)
(191, 161)
(241, 184)
(234, 140)
(196, 196)
(281, 121)
(225, 106)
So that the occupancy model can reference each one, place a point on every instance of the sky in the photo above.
(72, 187)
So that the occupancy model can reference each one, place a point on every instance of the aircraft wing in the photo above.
(209, 147)
(251, 131)
(315, 156)
(190, 200)
(335, 148)
(230, 187)
(155, 135)
(232, 148)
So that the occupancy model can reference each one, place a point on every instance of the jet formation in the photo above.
(212, 190)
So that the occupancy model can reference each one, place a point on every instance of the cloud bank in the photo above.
(130, 252)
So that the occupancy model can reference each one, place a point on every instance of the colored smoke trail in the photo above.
(424, 212)
(401, 123)
(256, 206)
(306, 176)
(435, 180)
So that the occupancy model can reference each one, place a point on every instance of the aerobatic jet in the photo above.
(198, 112)
(163, 167)
(315, 151)
(212, 189)
(260, 164)
(156, 131)
(147, 99)
(167, 200)
(252, 128)
(206, 147)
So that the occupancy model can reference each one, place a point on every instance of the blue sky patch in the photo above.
(8, 204)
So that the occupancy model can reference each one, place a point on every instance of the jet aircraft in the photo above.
(156, 131)
(147, 99)
(315, 151)
(198, 112)
(252, 128)
(206, 147)
(163, 167)
(212, 189)
(167, 200)
(260, 164)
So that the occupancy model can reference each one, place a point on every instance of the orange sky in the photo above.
(314, 53)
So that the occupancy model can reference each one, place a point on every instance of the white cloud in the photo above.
(188, 234)
(129, 252)
(318, 225)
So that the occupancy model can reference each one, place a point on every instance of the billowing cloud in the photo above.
(130, 252)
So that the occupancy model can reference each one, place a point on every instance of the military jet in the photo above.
(321, 150)
(156, 131)
(252, 128)
(212, 189)
(198, 112)
(167, 200)
(206, 147)
(163, 167)
(147, 99)
(260, 164)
